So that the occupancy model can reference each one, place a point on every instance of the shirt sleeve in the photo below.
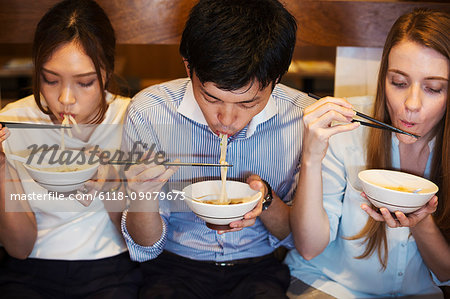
(334, 187)
(287, 242)
(140, 253)
(438, 282)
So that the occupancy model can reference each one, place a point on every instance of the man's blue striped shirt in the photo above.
(168, 116)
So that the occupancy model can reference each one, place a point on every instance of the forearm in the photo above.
(276, 219)
(309, 221)
(17, 233)
(18, 229)
(115, 208)
(145, 228)
(115, 219)
(433, 247)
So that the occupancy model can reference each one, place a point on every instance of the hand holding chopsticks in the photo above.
(378, 124)
(4, 134)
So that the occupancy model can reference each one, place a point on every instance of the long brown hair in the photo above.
(85, 22)
(430, 29)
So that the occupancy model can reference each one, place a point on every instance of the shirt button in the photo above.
(403, 245)
(400, 273)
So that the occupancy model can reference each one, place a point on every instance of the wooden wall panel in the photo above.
(350, 23)
(135, 21)
(322, 22)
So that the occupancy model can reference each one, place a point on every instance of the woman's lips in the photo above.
(62, 114)
(407, 124)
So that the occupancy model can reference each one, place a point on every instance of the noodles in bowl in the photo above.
(203, 198)
(62, 171)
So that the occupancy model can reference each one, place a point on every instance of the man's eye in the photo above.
(248, 105)
(211, 100)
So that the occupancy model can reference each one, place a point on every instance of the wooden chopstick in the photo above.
(381, 125)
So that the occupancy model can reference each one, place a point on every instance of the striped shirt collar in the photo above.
(190, 109)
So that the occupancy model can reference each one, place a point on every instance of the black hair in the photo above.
(85, 22)
(233, 42)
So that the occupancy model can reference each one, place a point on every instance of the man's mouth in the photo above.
(223, 133)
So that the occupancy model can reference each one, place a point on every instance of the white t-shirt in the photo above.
(78, 233)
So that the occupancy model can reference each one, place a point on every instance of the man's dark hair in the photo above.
(234, 42)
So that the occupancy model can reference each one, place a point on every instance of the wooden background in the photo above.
(322, 22)
(148, 33)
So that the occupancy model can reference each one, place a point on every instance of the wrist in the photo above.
(423, 225)
(268, 197)
(312, 160)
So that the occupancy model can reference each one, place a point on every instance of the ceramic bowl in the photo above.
(395, 190)
(220, 216)
(59, 174)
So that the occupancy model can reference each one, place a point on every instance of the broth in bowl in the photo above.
(203, 198)
(219, 201)
(396, 190)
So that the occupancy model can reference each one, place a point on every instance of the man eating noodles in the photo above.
(235, 53)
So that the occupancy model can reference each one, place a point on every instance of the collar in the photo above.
(190, 109)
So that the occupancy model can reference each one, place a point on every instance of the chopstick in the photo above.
(15, 125)
(171, 163)
(378, 125)
(363, 123)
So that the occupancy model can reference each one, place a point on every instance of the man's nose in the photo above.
(226, 115)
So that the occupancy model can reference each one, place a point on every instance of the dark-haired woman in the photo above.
(60, 248)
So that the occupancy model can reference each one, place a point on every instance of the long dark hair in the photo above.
(85, 22)
(430, 29)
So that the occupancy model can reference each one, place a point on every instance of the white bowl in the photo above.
(220, 216)
(62, 176)
(376, 183)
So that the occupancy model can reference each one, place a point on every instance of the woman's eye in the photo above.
(49, 82)
(88, 84)
(398, 84)
(433, 90)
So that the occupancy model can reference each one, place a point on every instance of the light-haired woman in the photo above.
(346, 248)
